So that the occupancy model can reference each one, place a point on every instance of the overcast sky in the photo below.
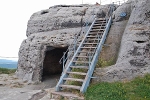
(14, 15)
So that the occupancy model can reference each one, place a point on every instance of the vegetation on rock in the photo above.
(104, 63)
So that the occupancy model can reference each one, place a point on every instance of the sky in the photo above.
(14, 15)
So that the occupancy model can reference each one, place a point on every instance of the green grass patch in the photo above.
(137, 89)
(104, 63)
(7, 71)
(77, 76)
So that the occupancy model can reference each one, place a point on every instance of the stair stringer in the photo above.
(95, 58)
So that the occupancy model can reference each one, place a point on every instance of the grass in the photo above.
(74, 91)
(104, 63)
(137, 89)
(7, 71)
(76, 76)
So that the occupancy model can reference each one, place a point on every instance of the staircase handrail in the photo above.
(74, 43)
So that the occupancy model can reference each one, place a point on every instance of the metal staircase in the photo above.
(86, 56)
(82, 58)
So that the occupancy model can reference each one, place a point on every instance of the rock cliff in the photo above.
(134, 54)
(51, 31)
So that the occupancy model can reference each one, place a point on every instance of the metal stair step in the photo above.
(100, 19)
(70, 86)
(82, 57)
(77, 73)
(103, 20)
(97, 19)
(100, 35)
(81, 62)
(97, 29)
(73, 79)
(92, 39)
(99, 24)
(90, 43)
(88, 47)
(82, 67)
(96, 33)
(91, 36)
(85, 52)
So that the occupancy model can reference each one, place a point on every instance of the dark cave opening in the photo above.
(51, 65)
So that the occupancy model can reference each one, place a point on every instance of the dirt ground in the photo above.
(11, 88)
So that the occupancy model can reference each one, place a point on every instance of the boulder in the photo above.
(49, 33)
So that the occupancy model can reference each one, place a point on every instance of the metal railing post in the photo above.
(73, 45)
(63, 62)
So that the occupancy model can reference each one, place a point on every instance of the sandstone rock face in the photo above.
(49, 33)
(134, 55)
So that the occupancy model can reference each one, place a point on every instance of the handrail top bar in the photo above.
(76, 35)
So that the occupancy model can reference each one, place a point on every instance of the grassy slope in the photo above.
(137, 89)
(7, 71)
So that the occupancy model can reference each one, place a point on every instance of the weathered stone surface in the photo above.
(10, 81)
(52, 29)
(62, 17)
(16, 89)
(124, 8)
(56, 27)
(134, 56)
(23, 94)
(111, 48)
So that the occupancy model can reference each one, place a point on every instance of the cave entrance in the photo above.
(52, 69)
